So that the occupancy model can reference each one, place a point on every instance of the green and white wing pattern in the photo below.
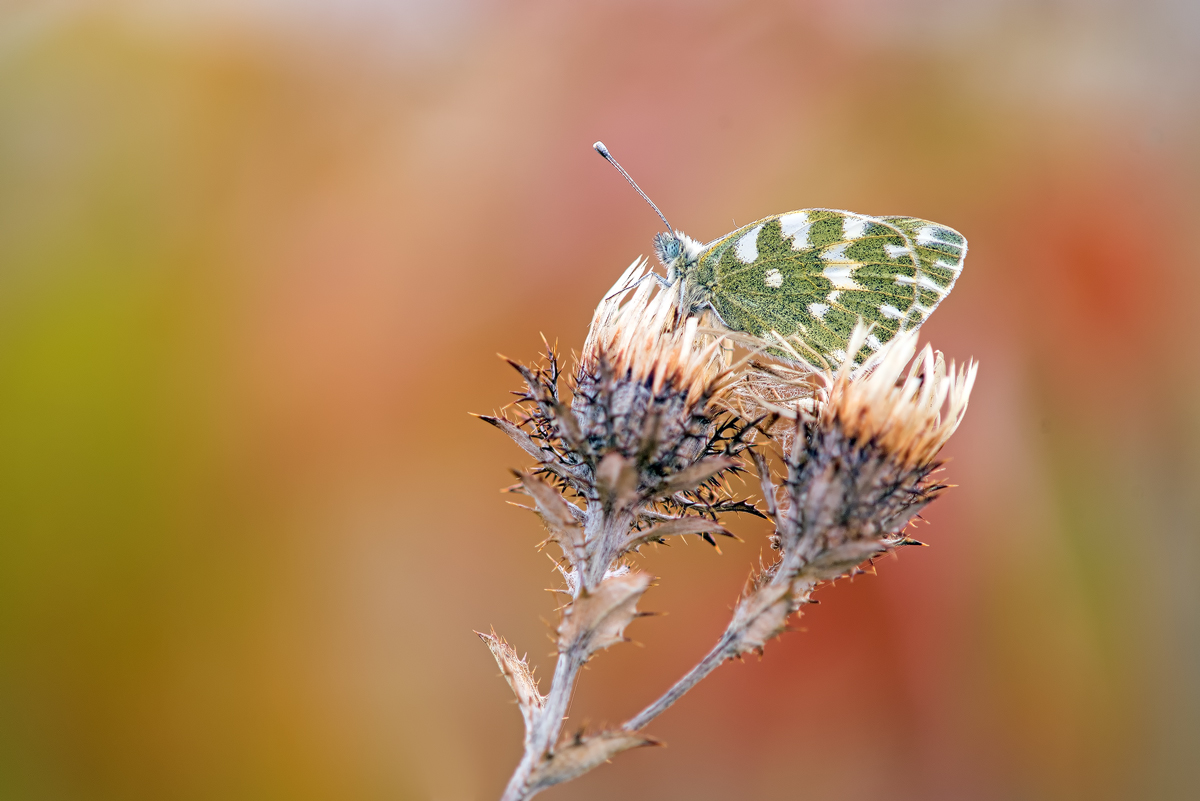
(813, 273)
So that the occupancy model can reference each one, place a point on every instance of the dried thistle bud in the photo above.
(860, 471)
(646, 438)
(647, 384)
(638, 453)
(862, 448)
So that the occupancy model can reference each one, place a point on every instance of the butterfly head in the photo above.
(677, 252)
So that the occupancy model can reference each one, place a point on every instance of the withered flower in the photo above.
(635, 446)
(639, 454)
(861, 450)
(861, 466)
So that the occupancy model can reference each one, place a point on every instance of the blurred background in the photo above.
(257, 258)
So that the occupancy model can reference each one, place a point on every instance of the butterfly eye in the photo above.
(667, 248)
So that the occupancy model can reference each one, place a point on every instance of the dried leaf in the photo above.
(568, 428)
(542, 391)
(597, 619)
(547, 459)
(559, 517)
(692, 477)
(768, 486)
(583, 754)
(761, 616)
(896, 523)
(680, 525)
(523, 440)
(616, 480)
(835, 562)
(519, 677)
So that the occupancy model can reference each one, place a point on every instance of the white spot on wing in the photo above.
(795, 226)
(839, 276)
(928, 235)
(925, 282)
(835, 253)
(834, 295)
(746, 248)
(896, 251)
(957, 266)
(818, 310)
(773, 278)
(891, 312)
(854, 227)
(873, 342)
(839, 355)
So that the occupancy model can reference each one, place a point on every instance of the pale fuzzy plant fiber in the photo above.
(908, 404)
(638, 338)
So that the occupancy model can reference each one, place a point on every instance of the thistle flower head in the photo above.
(860, 449)
(657, 417)
(899, 413)
(646, 390)
(905, 407)
(642, 448)
(637, 338)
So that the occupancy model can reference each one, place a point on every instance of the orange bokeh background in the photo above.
(256, 261)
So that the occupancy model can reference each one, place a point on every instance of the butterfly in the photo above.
(810, 275)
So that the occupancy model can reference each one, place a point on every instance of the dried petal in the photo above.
(770, 497)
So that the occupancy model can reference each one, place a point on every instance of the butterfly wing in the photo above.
(813, 273)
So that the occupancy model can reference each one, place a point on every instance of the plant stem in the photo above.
(549, 724)
(731, 643)
(720, 652)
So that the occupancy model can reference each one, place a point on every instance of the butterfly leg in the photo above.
(715, 313)
(661, 282)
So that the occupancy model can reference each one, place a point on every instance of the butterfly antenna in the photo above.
(603, 151)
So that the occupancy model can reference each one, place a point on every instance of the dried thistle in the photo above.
(657, 419)
(639, 454)
(858, 469)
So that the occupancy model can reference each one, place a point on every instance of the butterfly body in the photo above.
(812, 274)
